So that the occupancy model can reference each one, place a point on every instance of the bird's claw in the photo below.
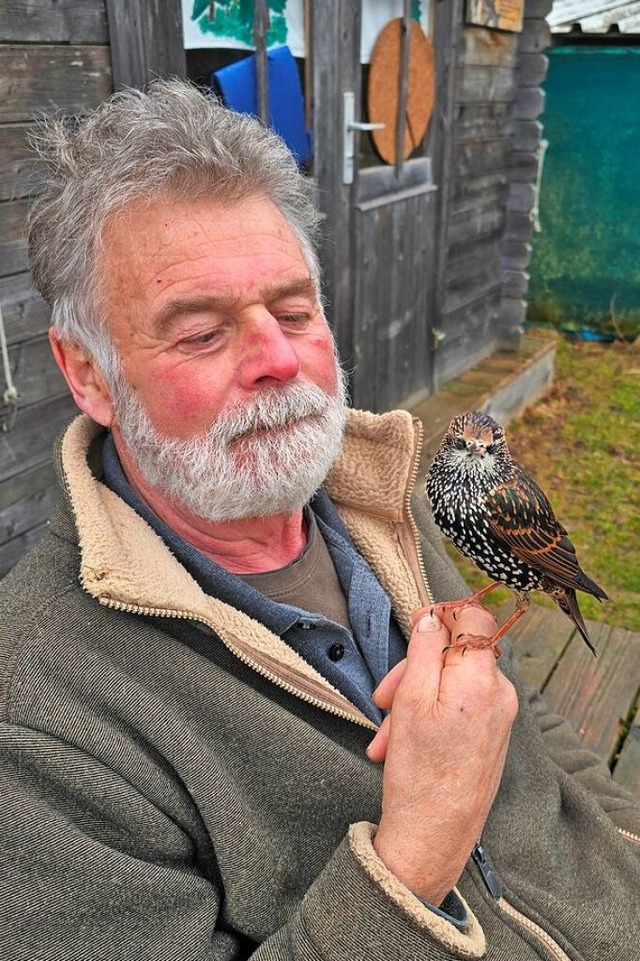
(474, 642)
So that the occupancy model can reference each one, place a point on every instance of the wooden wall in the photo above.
(54, 56)
(489, 184)
(522, 168)
(68, 55)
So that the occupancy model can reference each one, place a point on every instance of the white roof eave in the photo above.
(594, 16)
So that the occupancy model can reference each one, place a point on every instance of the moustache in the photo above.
(277, 408)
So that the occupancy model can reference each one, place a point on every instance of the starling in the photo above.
(495, 514)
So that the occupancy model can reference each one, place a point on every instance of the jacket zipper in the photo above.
(276, 679)
(634, 838)
(412, 548)
(492, 882)
(410, 540)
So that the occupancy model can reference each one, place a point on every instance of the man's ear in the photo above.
(86, 381)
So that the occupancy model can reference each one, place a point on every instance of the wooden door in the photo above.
(380, 253)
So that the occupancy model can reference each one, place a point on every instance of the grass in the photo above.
(582, 445)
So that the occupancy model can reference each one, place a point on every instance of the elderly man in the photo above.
(216, 743)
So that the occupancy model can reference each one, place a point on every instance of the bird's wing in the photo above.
(522, 518)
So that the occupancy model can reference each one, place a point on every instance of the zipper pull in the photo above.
(483, 862)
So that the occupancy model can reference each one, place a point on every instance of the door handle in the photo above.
(349, 128)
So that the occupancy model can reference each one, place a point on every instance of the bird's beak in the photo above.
(475, 447)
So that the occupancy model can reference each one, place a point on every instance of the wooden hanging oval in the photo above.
(383, 88)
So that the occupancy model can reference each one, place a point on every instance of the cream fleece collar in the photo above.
(124, 564)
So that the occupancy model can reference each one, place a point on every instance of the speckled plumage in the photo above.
(495, 514)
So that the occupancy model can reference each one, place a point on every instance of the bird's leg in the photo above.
(485, 590)
(480, 643)
(454, 606)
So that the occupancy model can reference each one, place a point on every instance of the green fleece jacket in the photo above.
(178, 784)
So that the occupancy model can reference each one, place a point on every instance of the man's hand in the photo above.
(444, 745)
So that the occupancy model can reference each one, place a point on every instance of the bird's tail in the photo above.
(568, 603)
(585, 584)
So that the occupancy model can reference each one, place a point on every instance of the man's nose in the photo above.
(268, 354)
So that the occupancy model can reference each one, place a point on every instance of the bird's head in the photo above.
(475, 442)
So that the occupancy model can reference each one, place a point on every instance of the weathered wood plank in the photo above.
(12, 551)
(522, 166)
(468, 289)
(532, 69)
(517, 254)
(17, 489)
(489, 48)
(146, 40)
(24, 311)
(468, 192)
(517, 227)
(515, 283)
(475, 158)
(13, 241)
(529, 103)
(390, 320)
(18, 165)
(522, 198)
(466, 260)
(39, 493)
(486, 84)
(526, 135)
(53, 21)
(535, 38)
(335, 31)
(474, 224)
(482, 122)
(447, 41)
(537, 9)
(595, 694)
(468, 335)
(30, 441)
(403, 351)
(35, 373)
(36, 79)
(539, 640)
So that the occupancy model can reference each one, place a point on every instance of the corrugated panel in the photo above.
(594, 16)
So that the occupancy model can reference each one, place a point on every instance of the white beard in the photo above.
(265, 457)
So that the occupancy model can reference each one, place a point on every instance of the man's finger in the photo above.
(377, 750)
(383, 695)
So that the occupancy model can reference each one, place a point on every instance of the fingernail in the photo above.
(429, 622)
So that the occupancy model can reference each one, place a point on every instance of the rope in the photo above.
(535, 213)
(10, 396)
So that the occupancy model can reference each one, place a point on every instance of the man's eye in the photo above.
(293, 318)
(199, 340)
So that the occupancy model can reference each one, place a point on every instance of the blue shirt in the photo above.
(372, 647)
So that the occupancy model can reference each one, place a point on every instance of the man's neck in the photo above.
(251, 546)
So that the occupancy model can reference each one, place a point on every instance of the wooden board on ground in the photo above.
(598, 695)
(595, 694)
(539, 639)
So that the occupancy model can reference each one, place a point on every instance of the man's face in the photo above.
(232, 397)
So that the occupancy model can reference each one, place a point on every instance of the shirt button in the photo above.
(336, 652)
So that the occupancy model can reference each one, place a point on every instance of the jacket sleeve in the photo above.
(568, 752)
(90, 868)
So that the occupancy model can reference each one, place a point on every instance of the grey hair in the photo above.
(173, 141)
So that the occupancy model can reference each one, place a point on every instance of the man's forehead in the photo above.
(212, 247)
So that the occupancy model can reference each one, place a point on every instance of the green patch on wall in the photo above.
(585, 266)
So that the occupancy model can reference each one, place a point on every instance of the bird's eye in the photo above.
(459, 443)
(491, 449)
